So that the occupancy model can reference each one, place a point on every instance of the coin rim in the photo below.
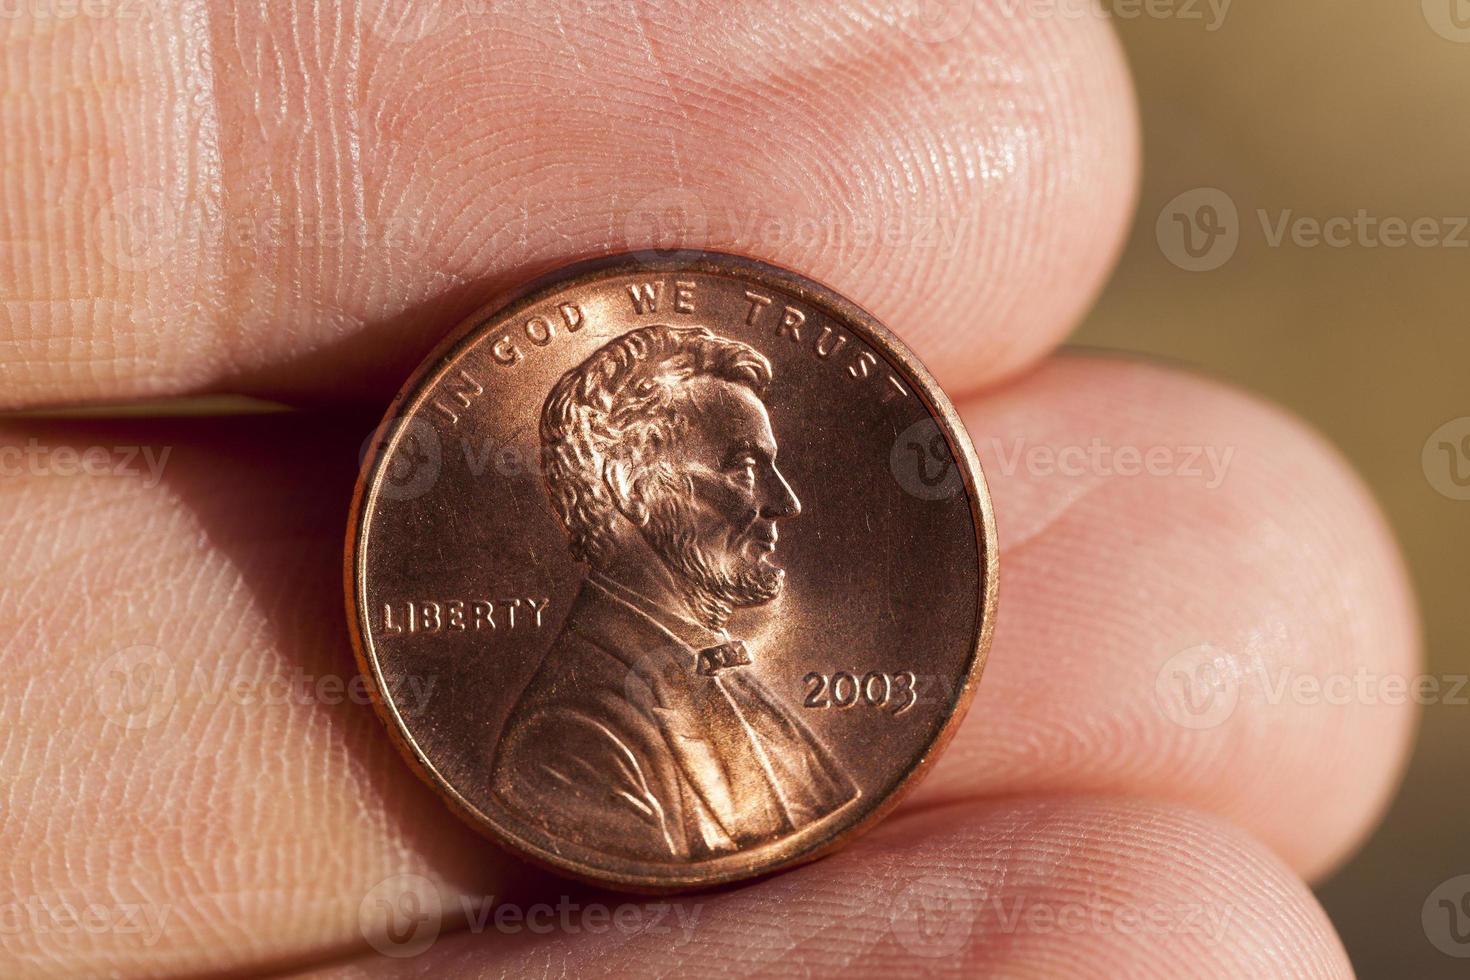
(780, 854)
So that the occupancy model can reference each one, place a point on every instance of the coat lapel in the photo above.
(700, 725)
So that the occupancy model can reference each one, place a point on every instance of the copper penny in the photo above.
(672, 571)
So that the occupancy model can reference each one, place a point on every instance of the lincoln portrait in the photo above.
(646, 731)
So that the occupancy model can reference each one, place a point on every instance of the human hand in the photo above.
(297, 201)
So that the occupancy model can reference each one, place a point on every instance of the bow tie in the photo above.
(713, 659)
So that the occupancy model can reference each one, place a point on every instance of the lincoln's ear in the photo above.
(626, 494)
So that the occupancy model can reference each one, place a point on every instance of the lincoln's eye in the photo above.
(744, 468)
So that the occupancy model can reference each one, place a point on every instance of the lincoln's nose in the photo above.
(781, 499)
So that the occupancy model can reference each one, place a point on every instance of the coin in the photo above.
(671, 571)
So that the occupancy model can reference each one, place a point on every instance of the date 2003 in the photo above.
(895, 693)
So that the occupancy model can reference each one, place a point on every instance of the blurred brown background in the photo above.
(1327, 109)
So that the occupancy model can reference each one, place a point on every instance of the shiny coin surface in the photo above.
(672, 571)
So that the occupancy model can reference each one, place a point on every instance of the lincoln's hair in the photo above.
(615, 416)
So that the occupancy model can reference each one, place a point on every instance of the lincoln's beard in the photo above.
(717, 578)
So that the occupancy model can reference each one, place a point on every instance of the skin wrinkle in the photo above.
(227, 54)
(203, 140)
(638, 15)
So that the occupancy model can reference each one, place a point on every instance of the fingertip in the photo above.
(1020, 887)
(1200, 602)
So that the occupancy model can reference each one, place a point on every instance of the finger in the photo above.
(1018, 888)
(190, 772)
(1199, 602)
(298, 200)
(256, 782)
